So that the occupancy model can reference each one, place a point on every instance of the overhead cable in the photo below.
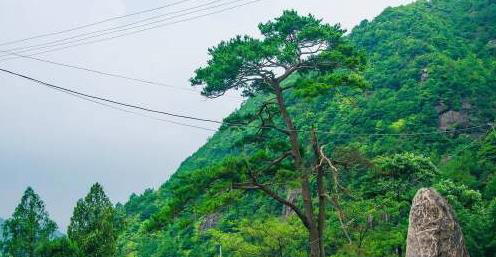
(136, 113)
(53, 43)
(71, 45)
(115, 75)
(91, 24)
(109, 100)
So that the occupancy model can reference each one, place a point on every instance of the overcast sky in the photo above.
(61, 145)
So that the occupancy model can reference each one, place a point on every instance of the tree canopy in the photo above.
(28, 228)
(92, 227)
(291, 43)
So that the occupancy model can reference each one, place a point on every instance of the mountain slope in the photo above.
(432, 68)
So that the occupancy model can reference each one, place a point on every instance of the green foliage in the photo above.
(28, 228)
(488, 149)
(268, 237)
(291, 42)
(473, 215)
(403, 174)
(92, 226)
(60, 247)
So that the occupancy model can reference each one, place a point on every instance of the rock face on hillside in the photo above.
(492, 44)
(210, 221)
(433, 230)
(449, 118)
(292, 196)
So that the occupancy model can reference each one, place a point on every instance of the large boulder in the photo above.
(433, 230)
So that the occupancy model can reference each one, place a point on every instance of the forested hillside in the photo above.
(425, 119)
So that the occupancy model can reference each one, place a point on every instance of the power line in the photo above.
(146, 109)
(474, 142)
(159, 25)
(131, 28)
(108, 74)
(114, 29)
(136, 113)
(103, 73)
(400, 134)
(109, 100)
(91, 24)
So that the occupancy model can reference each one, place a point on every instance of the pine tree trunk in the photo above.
(314, 237)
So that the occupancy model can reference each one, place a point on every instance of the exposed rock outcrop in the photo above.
(433, 229)
(425, 75)
(452, 118)
(449, 118)
(492, 44)
(292, 196)
(210, 221)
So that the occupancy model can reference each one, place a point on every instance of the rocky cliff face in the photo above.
(433, 230)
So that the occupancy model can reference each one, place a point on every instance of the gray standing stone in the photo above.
(433, 230)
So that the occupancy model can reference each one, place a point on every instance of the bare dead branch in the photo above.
(337, 186)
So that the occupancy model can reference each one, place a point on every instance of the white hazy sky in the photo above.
(60, 145)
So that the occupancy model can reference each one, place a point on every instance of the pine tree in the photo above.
(320, 59)
(28, 228)
(92, 226)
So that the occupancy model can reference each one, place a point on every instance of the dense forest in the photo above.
(323, 158)
(431, 69)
